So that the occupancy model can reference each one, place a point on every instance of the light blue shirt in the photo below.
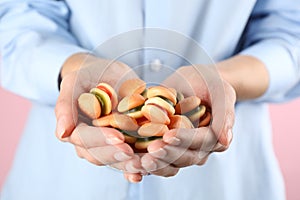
(37, 36)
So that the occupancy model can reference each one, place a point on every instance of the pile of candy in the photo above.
(142, 114)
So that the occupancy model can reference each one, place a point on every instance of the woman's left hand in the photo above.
(185, 147)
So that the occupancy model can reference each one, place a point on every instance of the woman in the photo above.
(256, 48)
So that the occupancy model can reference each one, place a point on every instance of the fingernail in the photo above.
(160, 153)
(202, 154)
(230, 135)
(61, 127)
(131, 169)
(172, 140)
(218, 146)
(149, 165)
(121, 156)
(113, 140)
(133, 179)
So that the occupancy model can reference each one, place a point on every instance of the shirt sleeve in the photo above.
(273, 36)
(35, 40)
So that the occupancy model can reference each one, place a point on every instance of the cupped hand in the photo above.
(185, 147)
(206, 83)
(100, 146)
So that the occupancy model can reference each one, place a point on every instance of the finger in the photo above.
(133, 177)
(196, 139)
(84, 154)
(65, 114)
(129, 166)
(158, 167)
(66, 109)
(220, 148)
(210, 87)
(223, 113)
(89, 136)
(177, 156)
(132, 166)
(80, 151)
(82, 81)
(111, 153)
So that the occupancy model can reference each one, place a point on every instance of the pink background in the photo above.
(285, 119)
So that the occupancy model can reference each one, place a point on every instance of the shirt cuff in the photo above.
(279, 63)
(47, 62)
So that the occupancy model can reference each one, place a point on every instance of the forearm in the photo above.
(272, 36)
(248, 76)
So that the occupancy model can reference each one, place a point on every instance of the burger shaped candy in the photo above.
(125, 124)
(89, 105)
(149, 110)
(142, 114)
(191, 108)
(99, 102)
(133, 93)
(151, 131)
(132, 86)
(205, 120)
(131, 105)
(180, 121)
(159, 105)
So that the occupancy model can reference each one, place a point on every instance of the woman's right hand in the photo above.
(98, 145)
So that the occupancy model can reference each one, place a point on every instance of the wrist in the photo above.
(75, 62)
(227, 75)
(246, 74)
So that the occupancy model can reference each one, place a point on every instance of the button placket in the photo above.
(156, 65)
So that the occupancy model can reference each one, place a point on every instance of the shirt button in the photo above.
(155, 65)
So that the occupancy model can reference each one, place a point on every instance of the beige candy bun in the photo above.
(152, 129)
(131, 86)
(173, 91)
(124, 122)
(161, 103)
(104, 99)
(155, 114)
(129, 105)
(205, 120)
(89, 105)
(187, 105)
(103, 121)
(130, 102)
(119, 121)
(179, 95)
(111, 93)
(197, 114)
(163, 92)
(180, 121)
(135, 115)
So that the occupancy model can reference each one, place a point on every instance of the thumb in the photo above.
(66, 109)
(223, 114)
